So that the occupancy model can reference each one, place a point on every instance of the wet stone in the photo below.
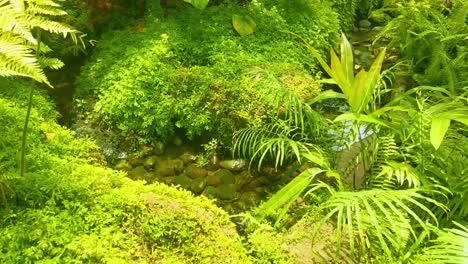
(198, 185)
(226, 176)
(146, 150)
(226, 191)
(150, 162)
(158, 148)
(213, 179)
(183, 181)
(164, 168)
(188, 158)
(194, 171)
(178, 165)
(138, 173)
(123, 165)
(210, 192)
(364, 24)
(233, 165)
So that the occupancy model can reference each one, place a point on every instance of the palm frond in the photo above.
(451, 246)
(386, 215)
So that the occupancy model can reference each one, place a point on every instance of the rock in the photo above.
(226, 176)
(169, 180)
(150, 162)
(146, 150)
(183, 181)
(364, 24)
(194, 171)
(188, 158)
(213, 179)
(123, 165)
(137, 173)
(210, 192)
(158, 148)
(135, 160)
(178, 165)
(242, 179)
(234, 165)
(226, 191)
(198, 185)
(164, 168)
(250, 197)
(254, 183)
(377, 29)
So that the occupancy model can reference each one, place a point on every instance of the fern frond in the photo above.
(394, 175)
(15, 22)
(16, 59)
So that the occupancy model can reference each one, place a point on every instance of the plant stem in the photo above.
(25, 130)
(28, 113)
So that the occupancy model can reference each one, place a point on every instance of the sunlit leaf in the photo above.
(439, 127)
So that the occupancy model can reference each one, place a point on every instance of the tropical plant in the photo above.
(404, 189)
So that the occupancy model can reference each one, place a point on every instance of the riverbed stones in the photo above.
(193, 171)
(178, 165)
(150, 162)
(225, 176)
(146, 150)
(242, 179)
(158, 148)
(123, 165)
(226, 191)
(183, 180)
(233, 165)
(364, 24)
(188, 158)
(164, 168)
(210, 192)
(198, 185)
(213, 179)
(138, 173)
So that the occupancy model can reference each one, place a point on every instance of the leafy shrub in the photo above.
(192, 72)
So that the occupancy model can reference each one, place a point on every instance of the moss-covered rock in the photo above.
(225, 176)
(193, 171)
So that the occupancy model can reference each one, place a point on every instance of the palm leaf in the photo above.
(378, 213)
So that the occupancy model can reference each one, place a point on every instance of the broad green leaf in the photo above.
(347, 58)
(339, 74)
(439, 127)
(200, 4)
(356, 94)
(366, 84)
(244, 25)
(288, 193)
(328, 94)
(363, 118)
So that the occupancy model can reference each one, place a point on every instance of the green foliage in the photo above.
(433, 37)
(162, 78)
(406, 173)
(21, 24)
(69, 209)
